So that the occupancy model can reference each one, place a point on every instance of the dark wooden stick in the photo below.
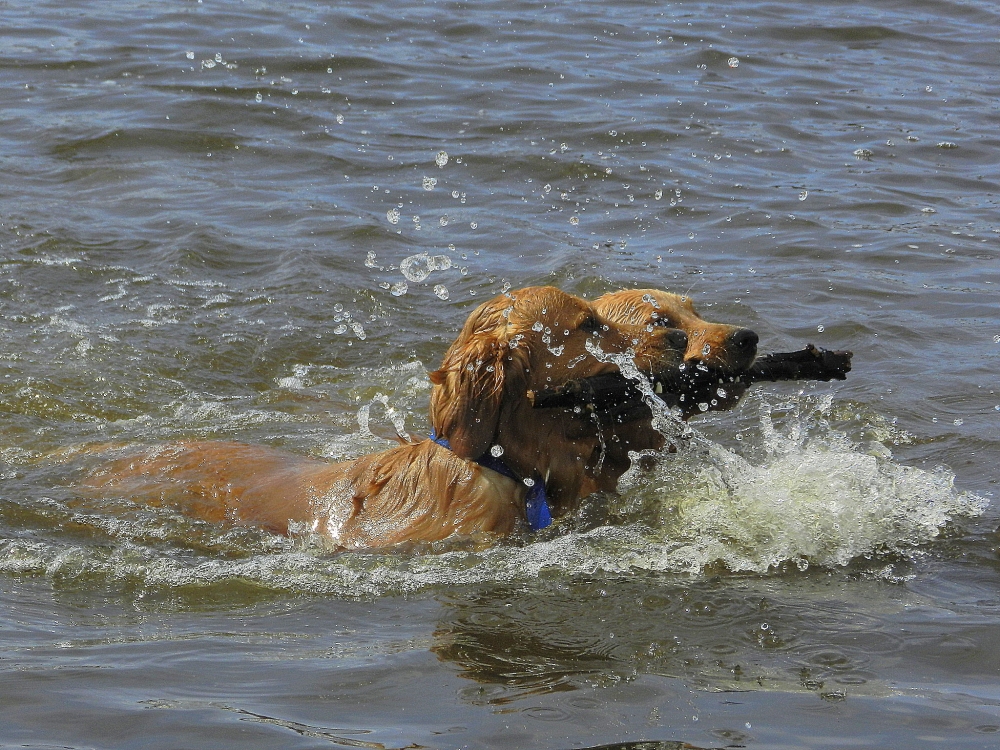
(604, 392)
(597, 393)
(811, 363)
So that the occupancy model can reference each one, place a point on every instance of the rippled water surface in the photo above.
(263, 222)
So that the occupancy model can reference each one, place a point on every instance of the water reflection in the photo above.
(723, 634)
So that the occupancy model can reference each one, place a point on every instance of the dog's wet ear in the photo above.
(479, 370)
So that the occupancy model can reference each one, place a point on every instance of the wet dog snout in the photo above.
(744, 341)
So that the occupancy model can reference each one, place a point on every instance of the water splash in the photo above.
(395, 416)
(813, 496)
(799, 493)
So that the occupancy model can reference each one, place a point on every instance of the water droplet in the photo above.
(189, 55)
(428, 183)
(339, 307)
(496, 451)
(537, 326)
(959, 422)
(529, 482)
(658, 194)
(803, 195)
(258, 98)
(441, 159)
(441, 291)
(340, 120)
(416, 268)
(820, 329)
(547, 188)
(947, 144)
(928, 210)
(734, 62)
(370, 261)
(574, 220)
(864, 153)
(340, 329)
(392, 215)
(996, 339)
(398, 290)
(443, 221)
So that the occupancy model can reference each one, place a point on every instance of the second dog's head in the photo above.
(716, 355)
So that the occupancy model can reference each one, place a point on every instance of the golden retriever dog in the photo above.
(494, 465)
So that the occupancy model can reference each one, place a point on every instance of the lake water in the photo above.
(204, 216)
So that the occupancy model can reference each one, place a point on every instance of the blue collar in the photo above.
(536, 504)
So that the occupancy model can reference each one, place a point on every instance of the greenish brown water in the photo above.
(205, 218)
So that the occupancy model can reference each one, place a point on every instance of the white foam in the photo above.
(814, 496)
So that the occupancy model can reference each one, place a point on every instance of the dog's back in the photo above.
(413, 491)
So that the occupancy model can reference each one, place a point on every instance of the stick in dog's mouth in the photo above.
(614, 391)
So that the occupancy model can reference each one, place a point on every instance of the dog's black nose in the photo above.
(677, 339)
(744, 340)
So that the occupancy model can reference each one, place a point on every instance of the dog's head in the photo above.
(530, 340)
(722, 347)
(717, 354)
